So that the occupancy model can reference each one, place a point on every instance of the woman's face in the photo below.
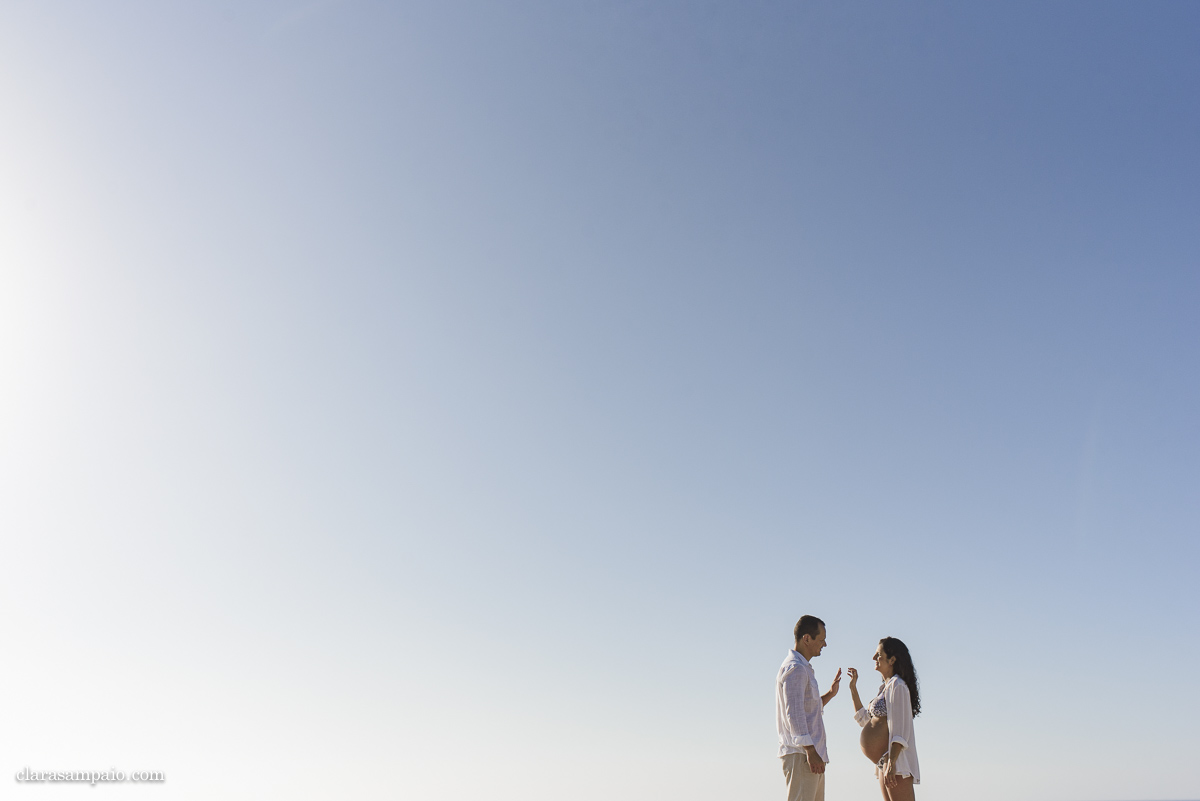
(883, 662)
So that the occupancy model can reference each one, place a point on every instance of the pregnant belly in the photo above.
(874, 738)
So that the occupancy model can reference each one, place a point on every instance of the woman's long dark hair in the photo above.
(903, 668)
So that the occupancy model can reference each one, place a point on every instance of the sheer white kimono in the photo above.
(898, 706)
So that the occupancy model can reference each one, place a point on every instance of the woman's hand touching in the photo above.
(853, 673)
(889, 772)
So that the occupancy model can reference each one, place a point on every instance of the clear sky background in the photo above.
(447, 400)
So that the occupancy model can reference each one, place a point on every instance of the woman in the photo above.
(887, 720)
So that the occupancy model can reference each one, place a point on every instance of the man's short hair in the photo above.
(808, 625)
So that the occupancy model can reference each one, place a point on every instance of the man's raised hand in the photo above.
(837, 680)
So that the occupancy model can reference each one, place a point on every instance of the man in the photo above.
(799, 708)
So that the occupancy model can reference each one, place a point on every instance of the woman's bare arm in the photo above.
(858, 704)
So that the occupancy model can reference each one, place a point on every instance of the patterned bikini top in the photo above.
(877, 707)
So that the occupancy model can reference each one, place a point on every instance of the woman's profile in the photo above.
(887, 738)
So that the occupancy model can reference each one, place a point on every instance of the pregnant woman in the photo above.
(887, 720)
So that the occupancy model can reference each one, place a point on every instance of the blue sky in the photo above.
(417, 400)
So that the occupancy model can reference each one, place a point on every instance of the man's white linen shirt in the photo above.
(799, 715)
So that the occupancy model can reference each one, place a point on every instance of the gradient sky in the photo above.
(448, 400)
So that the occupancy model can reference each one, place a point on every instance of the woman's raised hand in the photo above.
(853, 672)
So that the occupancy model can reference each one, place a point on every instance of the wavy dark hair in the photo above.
(904, 669)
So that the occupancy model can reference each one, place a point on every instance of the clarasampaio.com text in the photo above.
(90, 776)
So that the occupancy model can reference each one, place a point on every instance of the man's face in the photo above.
(812, 646)
(818, 642)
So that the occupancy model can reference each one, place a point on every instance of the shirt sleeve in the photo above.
(794, 684)
(899, 713)
(862, 716)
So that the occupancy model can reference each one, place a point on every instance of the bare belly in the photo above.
(874, 738)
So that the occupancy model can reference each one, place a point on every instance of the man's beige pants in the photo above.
(802, 783)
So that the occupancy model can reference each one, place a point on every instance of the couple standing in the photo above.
(887, 719)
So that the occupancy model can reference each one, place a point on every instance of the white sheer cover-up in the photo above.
(900, 725)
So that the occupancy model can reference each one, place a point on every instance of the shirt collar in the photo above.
(799, 657)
